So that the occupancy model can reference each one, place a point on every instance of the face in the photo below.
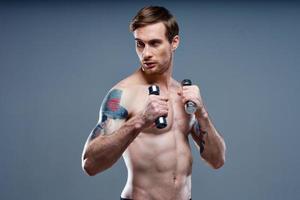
(153, 48)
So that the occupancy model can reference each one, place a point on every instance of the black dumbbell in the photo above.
(160, 122)
(190, 107)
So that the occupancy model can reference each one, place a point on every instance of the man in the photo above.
(159, 161)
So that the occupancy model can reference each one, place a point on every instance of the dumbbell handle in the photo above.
(190, 106)
(160, 122)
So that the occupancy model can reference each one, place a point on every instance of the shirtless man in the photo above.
(159, 161)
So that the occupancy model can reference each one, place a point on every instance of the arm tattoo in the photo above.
(96, 131)
(197, 128)
(198, 131)
(112, 109)
(200, 134)
(202, 143)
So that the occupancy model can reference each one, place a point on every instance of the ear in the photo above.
(175, 42)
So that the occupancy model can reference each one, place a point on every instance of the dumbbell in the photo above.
(190, 107)
(160, 122)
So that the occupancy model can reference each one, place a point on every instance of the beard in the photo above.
(158, 69)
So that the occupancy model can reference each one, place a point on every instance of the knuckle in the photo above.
(152, 104)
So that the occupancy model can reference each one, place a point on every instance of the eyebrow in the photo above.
(153, 40)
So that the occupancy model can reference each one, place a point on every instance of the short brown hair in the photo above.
(154, 14)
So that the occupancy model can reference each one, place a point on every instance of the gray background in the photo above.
(58, 60)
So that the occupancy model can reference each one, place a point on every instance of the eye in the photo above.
(155, 43)
(139, 44)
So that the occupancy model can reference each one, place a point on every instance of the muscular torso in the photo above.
(159, 161)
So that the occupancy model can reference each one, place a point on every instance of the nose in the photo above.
(146, 54)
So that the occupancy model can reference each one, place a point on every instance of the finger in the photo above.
(163, 113)
(161, 109)
(158, 98)
(188, 91)
(153, 125)
(162, 105)
(185, 100)
(186, 87)
(189, 98)
(191, 88)
(179, 92)
(163, 98)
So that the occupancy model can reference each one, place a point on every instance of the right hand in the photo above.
(156, 106)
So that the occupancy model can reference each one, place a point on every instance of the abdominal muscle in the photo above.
(159, 166)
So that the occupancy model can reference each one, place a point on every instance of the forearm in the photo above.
(102, 152)
(212, 142)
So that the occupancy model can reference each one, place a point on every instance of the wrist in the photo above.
(139, 122)
(203, 119)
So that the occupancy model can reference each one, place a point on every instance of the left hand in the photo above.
(192, 93)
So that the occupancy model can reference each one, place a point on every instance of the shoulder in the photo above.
(127, 90)
(127, 86)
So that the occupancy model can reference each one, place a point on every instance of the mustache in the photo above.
(148, 61)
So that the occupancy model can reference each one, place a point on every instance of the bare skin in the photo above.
(159, 161)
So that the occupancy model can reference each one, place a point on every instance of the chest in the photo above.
(177, 120)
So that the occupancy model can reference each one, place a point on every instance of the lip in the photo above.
(149, 64)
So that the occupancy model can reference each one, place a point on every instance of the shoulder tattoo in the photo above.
(110, 109)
